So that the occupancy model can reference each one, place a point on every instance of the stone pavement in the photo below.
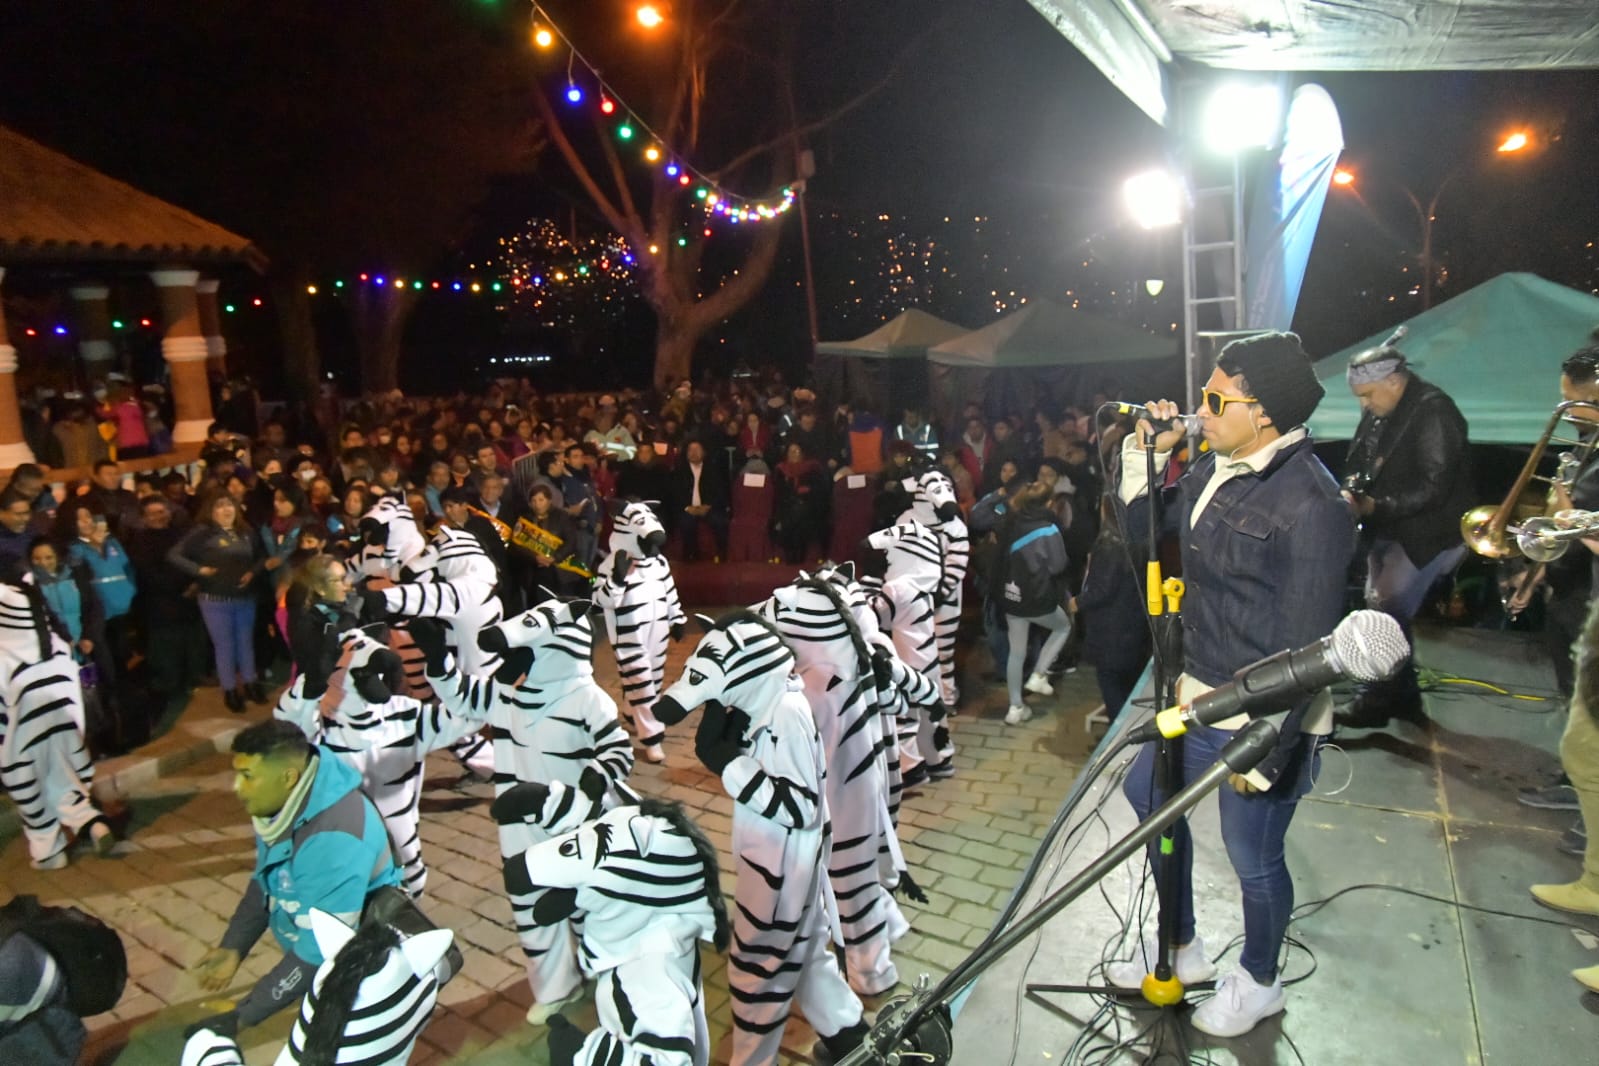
(190, 850)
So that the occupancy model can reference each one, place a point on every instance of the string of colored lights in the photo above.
(630, 128)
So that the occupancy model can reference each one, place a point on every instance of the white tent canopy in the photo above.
(1134, 42)
(1046, 334)
(908, 334)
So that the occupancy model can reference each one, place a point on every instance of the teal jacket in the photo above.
(336, 854)
(111, 573)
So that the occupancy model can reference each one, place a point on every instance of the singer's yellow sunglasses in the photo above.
(1217, 403)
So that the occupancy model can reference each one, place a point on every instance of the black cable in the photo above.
(1317, 904)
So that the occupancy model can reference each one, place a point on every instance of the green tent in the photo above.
(886, 370)
(1496, 349)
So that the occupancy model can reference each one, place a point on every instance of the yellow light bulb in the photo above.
(652, 153)
(310, 290)
(543, 37)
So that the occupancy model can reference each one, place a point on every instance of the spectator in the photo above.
(438, 479)
(613, 441)
(16, 533)
(107, 496)
(280, 534)
(492, 501)
(918, 434)
(174, 640)
(1112, 612)
(175, 490)
(1032, 583)
(28, 481)
(754, 436)
(645, 477)
(582, 502)
(699, 497)
(224, 555)
(79, 436)
(344, 528)
(547, 563)
(103, 557)
(976, 451)
(802, 488)
(1007, 449)
(809, 434)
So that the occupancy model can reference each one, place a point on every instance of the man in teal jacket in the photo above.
(319, 844)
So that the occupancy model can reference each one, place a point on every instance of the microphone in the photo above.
(1365, 646)
(1189, 423)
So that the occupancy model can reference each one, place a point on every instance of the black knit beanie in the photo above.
(1279, 373)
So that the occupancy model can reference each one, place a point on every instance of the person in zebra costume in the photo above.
(836, 665)
(394, 552)
(756, 734)
(44, 764)
(906, 604)
(383, 736)
(934, 505)
(633, 586)
(552, 724)
(368, 1002)
(644, 883)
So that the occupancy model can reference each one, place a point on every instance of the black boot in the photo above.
(835, 1048)
(256, 692)
(233, 699)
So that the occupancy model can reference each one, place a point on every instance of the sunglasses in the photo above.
(1217, 403)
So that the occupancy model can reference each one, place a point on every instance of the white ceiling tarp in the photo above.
(1133, 41)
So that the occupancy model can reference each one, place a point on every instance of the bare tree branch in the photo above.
(631, 228)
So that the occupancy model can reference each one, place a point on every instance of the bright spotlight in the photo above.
(1243, 116)
(649, 16)
(1343, 177)
(1154, 198)
(1514, 143)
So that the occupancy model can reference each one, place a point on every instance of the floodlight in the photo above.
(1154, 198)
(1241, 115)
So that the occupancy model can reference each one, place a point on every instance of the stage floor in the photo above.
(1398, 978)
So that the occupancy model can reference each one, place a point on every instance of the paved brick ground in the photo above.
(190, 851)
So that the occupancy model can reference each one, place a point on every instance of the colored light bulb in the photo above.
(574, 95)
(625, 132)
(607, 105)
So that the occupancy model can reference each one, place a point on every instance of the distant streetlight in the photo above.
(1514, 143)
(1343, 177)
(1155, 286)
(649, 16)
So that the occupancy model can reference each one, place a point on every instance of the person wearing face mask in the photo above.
(1266, 543)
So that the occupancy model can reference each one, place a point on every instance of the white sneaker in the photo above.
(58, 861)
(1018, 713)
(1039, 685)
(1191, 964)
(541, 1013)
(1240, 1003)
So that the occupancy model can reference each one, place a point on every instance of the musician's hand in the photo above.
(1363, 506)
(1167, 439)
(1241, 785)
(1560, 497)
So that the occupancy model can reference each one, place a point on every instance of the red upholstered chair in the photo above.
(754, 496)
(852, 515)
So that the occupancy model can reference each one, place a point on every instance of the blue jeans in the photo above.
(1395, 586)
(1253, 827)
(231, 624)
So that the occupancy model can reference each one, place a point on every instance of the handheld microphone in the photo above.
(1366, 646)
(1189, 423)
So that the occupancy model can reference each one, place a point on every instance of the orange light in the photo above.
(543, 37)
(649, 16)
(652, 153)
(1515, 142)
(1343, 177)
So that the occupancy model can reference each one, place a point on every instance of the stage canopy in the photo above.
(1496, 349)
(886, 370)
(908, 334)
(1135, 42)
(1047, 352)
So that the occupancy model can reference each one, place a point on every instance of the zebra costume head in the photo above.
(376, 674)
(627, 873)
(452, 555)
(636, 529)
(391, 536)
(368, 1002)
(932, 498)
(551, 642)
(914, 554)
(741, 661)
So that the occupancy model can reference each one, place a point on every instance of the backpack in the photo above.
(88, 952)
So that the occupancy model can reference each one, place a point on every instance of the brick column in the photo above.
(185, 351)
(216, 347)
(94, 330)
(14, 451)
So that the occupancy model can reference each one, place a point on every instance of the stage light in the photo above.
(1241, 115)
(1154, 199)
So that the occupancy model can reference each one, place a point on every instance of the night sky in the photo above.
(993, 114)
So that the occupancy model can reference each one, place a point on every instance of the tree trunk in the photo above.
(380, 319)
(302, 361)
(674, 351)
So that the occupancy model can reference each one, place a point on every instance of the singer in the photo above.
(1266, 543)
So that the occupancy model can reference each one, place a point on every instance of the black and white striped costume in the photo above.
(834, 662)
(905, 605)
(643, 883)
(386, 743)
(934, 505)
(552, 727)
(786, 917)
(391, 1007)
(44, 766)
(640, 613)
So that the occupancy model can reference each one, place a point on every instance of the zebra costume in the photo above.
(905, 608)
(787, 917)
(641, 612)
(383, 737)
(933, 504)
(368, 1002)
(556, 726)
(645, 885)
(835, 666)
(44, 766)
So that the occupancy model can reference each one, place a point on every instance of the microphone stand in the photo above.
(922, 1018)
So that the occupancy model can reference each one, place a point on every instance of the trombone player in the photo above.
(1408, 481)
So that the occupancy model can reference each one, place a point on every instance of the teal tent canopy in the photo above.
(1496, 349)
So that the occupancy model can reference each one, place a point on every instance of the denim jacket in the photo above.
(1265, 569)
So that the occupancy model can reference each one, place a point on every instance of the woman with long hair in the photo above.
(224, 556)
(110, 574)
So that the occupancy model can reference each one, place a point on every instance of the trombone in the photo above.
(1487, 530)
